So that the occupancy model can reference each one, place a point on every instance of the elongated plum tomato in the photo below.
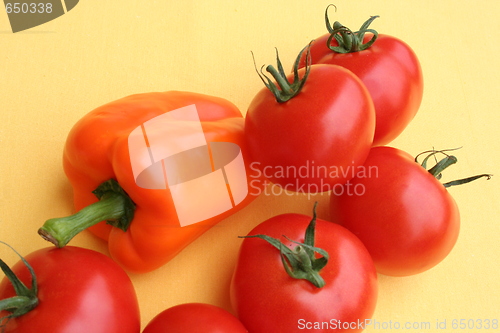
(406, 218)
(195, 318)
(77, 290)
(388, 67)
(312, 131)
(328, 276)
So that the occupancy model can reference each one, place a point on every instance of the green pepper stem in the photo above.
(61, 230)
(114, 206)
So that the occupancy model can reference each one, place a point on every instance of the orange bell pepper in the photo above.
(138, 168)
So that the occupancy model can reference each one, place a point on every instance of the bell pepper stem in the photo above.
(61, 230)
(114, 206)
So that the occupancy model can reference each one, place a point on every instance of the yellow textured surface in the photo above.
(53, 74)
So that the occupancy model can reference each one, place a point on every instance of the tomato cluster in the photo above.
(349, 95)
(348, 92)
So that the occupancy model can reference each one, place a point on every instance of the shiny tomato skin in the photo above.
(391, 72)
(406, 218)
(79, 291)
(329, 124)
(195, 318)
(267, 299)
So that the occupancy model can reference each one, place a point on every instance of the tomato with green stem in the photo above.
(306, 131)
(388, 67)
(65, 290)
(288, 281)
(406, 218)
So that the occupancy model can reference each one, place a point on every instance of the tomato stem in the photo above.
(114, 206)
(285, 90)
(440, 166)
(444, 163)
(301, 262)
(348, 41)
(467, 180)
(26, 298)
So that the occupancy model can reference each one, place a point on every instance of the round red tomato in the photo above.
(79, 291)
(195, 318)
(406, 218)
(314, 140)
(390, 71)
(267, 299)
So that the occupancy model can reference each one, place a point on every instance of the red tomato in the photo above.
(312, 141)
(405, 217)
(392, 74)
(195, 318)
(79, 291)
(267, 299)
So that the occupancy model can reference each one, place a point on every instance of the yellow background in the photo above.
(53, 74)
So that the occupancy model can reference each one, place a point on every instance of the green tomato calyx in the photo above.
(26, 298)
(284, 89)
(301, 262)
(444, 163)
(349, 41)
